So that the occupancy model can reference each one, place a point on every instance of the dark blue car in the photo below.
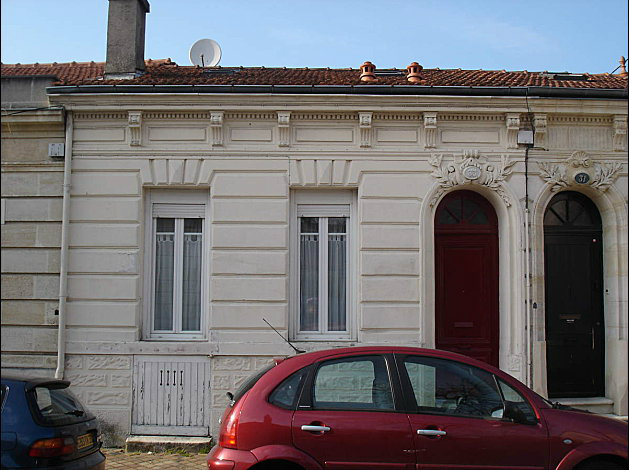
(44, 426)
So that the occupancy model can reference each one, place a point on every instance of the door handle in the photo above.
(312, 428)
(430, 432)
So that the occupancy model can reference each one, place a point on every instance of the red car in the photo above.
(405, 408)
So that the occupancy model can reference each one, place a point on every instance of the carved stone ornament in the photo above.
(283, 124)
(430, 129)
(620, 133)
(513, 126)
(471, 168)
(579, 170)
(364, 120)
(135, 128)
(216, 124)
(540, 121)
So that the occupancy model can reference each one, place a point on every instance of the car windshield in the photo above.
(250, 382)
(57, 405)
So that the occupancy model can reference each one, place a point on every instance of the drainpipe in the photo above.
(65, 228)
(527, 272)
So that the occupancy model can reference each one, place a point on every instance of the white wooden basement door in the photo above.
(171, 396)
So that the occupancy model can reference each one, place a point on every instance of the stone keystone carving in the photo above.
(364, 120)
(283, 124)
(135, 128)
(579, 170)
(216, 124)
(471, 168)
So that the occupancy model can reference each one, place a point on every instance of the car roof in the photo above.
(316, 355)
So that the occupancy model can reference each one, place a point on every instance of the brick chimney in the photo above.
(125, 38)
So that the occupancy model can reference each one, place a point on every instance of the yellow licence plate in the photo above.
(84, 441)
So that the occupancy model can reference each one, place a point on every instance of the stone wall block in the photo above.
(120, 380)
(108, 398)
(109, 362)
(74, 362)
(79, 379)
(233, 363)
(221, 382)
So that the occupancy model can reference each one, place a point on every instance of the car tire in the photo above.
(600, 465)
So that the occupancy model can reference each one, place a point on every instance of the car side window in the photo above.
(447, 387)
(517, 403)
(286, 393)
(353, 383)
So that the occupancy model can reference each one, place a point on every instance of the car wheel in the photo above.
(600, 465)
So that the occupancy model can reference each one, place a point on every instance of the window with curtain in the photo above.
(323, 270)
(178, 240)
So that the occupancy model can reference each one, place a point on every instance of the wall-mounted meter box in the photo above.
(56, 150)
(525, 137)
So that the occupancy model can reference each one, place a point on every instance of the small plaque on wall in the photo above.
(581, 178)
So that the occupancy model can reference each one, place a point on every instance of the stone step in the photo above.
(181, 444)
(598, 405)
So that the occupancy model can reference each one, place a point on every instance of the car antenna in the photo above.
(298, 351)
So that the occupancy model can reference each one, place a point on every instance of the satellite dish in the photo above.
(205, 53)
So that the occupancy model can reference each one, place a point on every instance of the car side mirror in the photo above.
(514, 413)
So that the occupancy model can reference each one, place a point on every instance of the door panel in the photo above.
(574, 301)
(574, 339)
(455, 415)
(348, 416)
(466, 277)
(356, 439)
(476, 443)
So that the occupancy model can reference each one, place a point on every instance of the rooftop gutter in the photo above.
(542, 92)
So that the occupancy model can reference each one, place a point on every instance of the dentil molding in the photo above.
(579, 170)
(470, 168)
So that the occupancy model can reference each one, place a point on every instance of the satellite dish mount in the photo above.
(205, 53)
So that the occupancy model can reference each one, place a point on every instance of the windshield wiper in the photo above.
(75, 412)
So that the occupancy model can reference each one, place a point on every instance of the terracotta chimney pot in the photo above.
(367, 72)
(413, 74)
(623, 67)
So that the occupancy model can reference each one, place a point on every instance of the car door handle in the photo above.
(312, 428)
(430, 432)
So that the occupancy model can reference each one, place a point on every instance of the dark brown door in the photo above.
(574, 304)
(466, 270)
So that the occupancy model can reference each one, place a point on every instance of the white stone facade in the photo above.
(254, 155)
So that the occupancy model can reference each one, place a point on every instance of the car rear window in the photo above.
(56, 405)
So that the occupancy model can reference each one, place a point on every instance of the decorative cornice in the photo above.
(301, 116)
(512, 121)
(470, 168)
(575, 119)
(135, 128)
(579, 170)
(249, 116)
(430, 130)
(472, 117)
(216, 124)
(396, 116)
(176, 115)
(620, 132)
(364, 120)
(283, 124)
(80, 116)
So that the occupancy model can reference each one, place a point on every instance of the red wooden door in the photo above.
(466, 276)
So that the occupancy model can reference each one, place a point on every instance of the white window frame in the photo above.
(178, 205)
(323, 203)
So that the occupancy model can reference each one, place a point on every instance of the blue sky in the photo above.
(553, 35)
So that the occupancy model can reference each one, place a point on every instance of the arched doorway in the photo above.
(466, 276)
(573, 264)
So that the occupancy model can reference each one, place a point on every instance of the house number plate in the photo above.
(581, 178)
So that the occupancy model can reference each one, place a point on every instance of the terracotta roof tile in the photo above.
(166, 72)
